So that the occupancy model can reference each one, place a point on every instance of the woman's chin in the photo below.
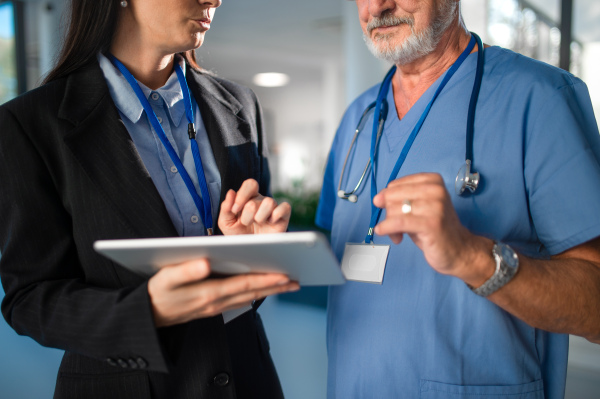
(198, 40)
(191, 44)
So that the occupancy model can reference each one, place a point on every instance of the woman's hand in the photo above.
(181, 293)
(248, 212)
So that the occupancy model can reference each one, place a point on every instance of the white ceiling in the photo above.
(286, 25)
(252, 36)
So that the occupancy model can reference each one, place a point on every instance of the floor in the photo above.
(297, 336)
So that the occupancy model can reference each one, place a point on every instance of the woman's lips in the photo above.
(204, 23)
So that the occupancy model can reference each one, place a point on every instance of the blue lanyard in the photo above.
(385, 86)
(204, 207)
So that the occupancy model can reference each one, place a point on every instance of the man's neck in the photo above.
(146, 63)
(412, 80)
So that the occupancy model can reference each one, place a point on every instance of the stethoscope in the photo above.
(351, 196)
(466, 179)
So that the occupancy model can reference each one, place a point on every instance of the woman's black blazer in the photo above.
(70, 175)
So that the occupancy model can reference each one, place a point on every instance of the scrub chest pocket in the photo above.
(439, 390)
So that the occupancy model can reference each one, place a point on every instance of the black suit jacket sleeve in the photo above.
(48, 294)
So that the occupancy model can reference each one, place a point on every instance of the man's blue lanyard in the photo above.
(204, 207)
(383, 91)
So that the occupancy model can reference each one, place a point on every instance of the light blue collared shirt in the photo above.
(168, 105)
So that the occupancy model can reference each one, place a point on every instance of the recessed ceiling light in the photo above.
(271, 79)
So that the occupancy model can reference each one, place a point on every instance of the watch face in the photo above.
(509, 256)
(507, 264)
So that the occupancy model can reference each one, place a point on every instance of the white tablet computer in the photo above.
(304, 256)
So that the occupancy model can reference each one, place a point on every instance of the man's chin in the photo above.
(381, 47)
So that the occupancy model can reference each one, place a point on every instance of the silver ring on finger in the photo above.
(406, 206)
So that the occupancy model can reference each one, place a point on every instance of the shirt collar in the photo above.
(128, 103)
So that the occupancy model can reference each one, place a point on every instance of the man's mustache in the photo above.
(388, 19)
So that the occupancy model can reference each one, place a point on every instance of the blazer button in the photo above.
(221, 379)
(122, 363)
(132, 363)
(112, 362)
(141, 362)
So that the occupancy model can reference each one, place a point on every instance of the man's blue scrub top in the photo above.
(425, 335)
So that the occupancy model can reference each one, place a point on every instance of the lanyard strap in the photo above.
(204, 207)
(385, 85)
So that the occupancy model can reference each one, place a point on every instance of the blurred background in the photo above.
(320, 62)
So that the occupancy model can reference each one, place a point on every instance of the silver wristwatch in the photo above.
(507, 264)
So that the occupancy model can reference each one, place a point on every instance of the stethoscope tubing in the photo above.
(468, 178)
(350, 195)
(473, 100)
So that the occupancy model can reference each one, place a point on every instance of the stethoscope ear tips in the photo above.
(350, 197)
(466, 180)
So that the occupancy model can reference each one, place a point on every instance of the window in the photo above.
(8, 53)
(12, 50)
(522, 26)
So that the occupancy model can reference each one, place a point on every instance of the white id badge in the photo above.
(365, 262)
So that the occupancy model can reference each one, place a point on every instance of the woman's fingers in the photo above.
(174, 301)
(283, 212)
(247, 212)
(247, 191)
(227, 204)
(265, 210)
(171, 277)
(245, 283)
(164, 289)
(246, 298)
(220, 295)
(227, 219)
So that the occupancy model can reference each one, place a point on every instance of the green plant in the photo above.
(304, 206)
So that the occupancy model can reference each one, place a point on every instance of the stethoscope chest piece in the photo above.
(466, 180)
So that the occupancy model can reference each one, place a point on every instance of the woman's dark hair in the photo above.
(92, 24)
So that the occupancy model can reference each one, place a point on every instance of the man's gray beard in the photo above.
(417, 45)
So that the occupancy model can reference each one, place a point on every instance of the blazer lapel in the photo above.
(229, 134)
(102, 146)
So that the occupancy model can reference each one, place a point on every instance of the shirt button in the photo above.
(221, 379)
(174, 169)
(159, 119)
(194, 219)
(154, 96)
